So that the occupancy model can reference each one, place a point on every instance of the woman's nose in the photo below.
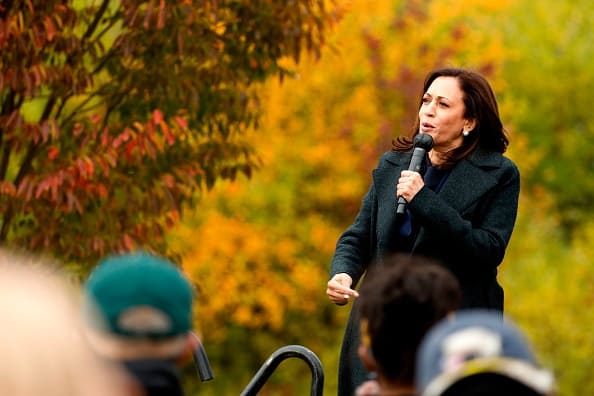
(429, 109)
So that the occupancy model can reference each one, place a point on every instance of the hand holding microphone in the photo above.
(408, 180)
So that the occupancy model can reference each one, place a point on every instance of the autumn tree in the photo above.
(114, 116)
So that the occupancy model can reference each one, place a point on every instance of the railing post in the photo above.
(289, 351)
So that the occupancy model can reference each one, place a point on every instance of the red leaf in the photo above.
(55, 182)
(169, 137)
(104, 138)
(50, 28)
(52, 153)
(182, 122)
(128, 242)
(129, 148)
(7, 188)
(90, 167)
(41, 187)
(157, 116)
(122, 137)
(161, 15)
(102, 191)
(77, 129)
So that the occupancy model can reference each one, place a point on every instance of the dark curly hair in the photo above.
(399, 302)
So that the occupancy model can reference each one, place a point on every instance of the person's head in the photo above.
(44, 350)
(398, 303)
(459, 110)
(140, 307)
(479, 352)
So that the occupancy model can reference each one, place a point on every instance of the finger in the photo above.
(345, 291)
(348, 293)
(339, 292)
(338, 298)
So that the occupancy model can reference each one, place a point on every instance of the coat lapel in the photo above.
(471, 173)
(385, 180)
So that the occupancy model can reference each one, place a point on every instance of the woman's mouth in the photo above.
(427, 127)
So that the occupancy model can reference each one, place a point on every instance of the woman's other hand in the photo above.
(339, 289)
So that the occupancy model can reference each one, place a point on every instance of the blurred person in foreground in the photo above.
(144, 303)
(460, 208)
(476, 353)
(42, 340)
(398, 304)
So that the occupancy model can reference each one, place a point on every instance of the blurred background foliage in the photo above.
(309, 116)
(114, 116)
(260, 249)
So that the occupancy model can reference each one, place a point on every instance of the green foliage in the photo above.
(549, 287)
(548, 275)
(548, 70)
(115, 116)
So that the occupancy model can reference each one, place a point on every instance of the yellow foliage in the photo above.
(263, 246)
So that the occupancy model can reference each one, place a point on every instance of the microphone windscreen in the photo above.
(423, 140)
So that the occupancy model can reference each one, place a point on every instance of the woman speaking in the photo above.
(460, 207)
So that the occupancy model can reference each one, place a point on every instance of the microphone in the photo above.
(422, 143)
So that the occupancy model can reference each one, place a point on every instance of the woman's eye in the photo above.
(442, 104)
(426, 100)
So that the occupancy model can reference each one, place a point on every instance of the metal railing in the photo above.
(201, 361)
(289, 351)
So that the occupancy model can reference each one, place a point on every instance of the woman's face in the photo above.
(442, 114)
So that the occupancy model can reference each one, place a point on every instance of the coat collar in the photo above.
(468, 181)
(479, 157)
(471, 171)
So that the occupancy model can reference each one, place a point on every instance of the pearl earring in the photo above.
(465, 133)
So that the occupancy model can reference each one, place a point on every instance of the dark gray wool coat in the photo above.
(466, 226)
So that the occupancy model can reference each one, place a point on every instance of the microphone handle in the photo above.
(401, 207)
(416, 161)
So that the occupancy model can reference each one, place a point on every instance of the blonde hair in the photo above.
(42, 344)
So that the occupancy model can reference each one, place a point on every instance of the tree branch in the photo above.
(98, 16)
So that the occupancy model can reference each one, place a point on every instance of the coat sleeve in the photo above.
(477, 237)
(354, 247)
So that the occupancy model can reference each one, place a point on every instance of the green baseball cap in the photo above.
(140, 295)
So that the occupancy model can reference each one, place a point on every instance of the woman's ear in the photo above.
(366, 356)
(469, 124)
(364, 350)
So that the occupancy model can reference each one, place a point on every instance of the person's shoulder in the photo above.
(497, 165)
(492, 159)
(391, 157)
(509, 166)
